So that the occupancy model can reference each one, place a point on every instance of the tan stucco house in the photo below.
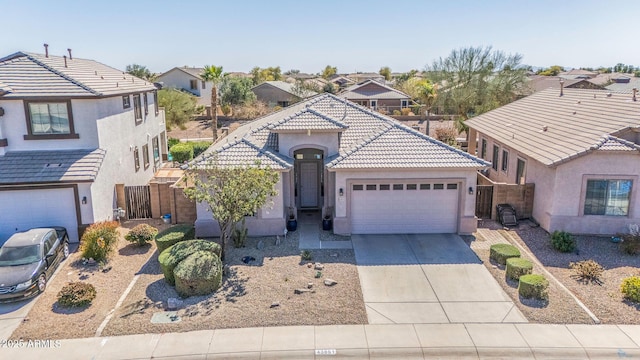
(579, 147)
(280, 93)
(377, 96)
(370, 173)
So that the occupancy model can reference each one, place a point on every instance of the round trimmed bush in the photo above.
(563, 241)
(533, 286)
(141, 234)
(172, 256)
(501, 252)
(173, 235)
(199, 274)
(630, 287)
(181, 152)
(76, 294)
(517, 267)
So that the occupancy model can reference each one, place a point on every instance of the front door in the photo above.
(309, 184)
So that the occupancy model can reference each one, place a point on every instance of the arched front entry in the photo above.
(309, 178)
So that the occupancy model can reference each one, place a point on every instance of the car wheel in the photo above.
(65, 250)
(42, 282)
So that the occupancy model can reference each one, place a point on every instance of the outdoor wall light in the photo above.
(341, 192)
(84, 200)
(470, 190)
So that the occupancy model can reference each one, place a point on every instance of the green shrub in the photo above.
(501, 252)
(630, 287)
(631, 244)
(517, 267)
(181, 152)
(141, 234)
(533, 286)
(199, 274)
(173, 141)
(405, 111)
(396, 113)
(99, 240)
(76, 294)
(199, 147)
(563, 241)
(587, 269)
(172, 256)
(306, 255)
(174, 235)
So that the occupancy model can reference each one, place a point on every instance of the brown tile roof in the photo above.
(381, 91)
(553, 129)
(369, 139)
(29, 75)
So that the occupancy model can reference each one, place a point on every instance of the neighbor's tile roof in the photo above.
(369, 139)
(286, 87)
(192, 71)
(553, 129)
(612, 143)
(381, 91)
(50, 166)
(30, 75)
(634, 83)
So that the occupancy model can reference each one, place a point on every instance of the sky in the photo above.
(352, 35)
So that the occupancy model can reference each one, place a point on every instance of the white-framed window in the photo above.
(137, 107)
(373, 104)
(126, 102)
(404, 103)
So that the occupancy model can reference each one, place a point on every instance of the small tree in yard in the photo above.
(231, 192)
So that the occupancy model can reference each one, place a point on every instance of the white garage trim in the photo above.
(25, 207)
(404, 206)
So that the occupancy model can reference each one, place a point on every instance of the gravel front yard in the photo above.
(603, 299)
(47, 320)
(197, 129)
(249, 291)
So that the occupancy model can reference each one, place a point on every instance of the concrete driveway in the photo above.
(428, 278)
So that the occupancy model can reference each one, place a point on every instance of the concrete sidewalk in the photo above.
(395, 341)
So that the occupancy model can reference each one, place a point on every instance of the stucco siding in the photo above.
(179, 79)
(287, 143)
(568, 207)
(544, 180)
(84, 114)
(270, 219)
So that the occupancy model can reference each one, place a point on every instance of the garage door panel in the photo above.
(21, 210)
(404, 211)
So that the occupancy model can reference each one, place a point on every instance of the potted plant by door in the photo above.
(326, 221)
(292, 223)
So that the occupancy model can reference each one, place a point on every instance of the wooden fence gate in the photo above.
(138, 200)
(484, 201)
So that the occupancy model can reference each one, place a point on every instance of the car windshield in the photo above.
(22, 255)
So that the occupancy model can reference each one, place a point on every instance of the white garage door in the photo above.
(25, 209)
(404, 208)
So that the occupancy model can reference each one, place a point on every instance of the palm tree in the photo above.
(213, 74)
(427, 93)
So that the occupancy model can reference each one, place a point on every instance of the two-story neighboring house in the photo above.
(70, 130)
(188, 79)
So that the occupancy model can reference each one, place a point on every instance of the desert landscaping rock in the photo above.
(330, 282)
(318, 266)
(274, 305)
(173, 304)
(302, 291)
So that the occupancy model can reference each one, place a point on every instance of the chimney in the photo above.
(46, 50)
(635, 92)
(65, 61)
(561, 87)
(70, 57)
